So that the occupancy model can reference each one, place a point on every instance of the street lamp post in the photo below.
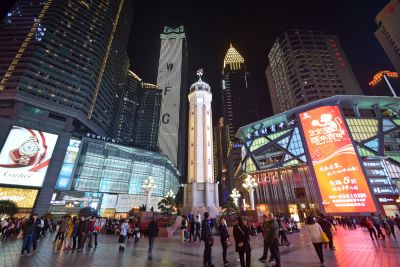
(69, 206)
(250, 184)
(148, 187)
(235, 195)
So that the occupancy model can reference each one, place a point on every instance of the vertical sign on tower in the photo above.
(338, 171)
(170, 79)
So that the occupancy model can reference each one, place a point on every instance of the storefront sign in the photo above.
(23, 198)
(65, 177)
(126, 202)
(386, 200)
(25, 156)
(338, 171)
(263, 178)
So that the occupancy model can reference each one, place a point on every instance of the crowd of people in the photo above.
(73, 233)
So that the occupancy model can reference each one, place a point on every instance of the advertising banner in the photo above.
(25, 156)
(65, 177)
(340, 178)
(126, 202)
(23, 198)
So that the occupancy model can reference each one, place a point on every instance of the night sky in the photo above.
(252, 27)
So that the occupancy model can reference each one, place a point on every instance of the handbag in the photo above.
(324, 238)
(228, 242)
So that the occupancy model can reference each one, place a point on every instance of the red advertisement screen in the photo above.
(340, 178)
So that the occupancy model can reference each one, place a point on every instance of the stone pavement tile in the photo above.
(354, 248)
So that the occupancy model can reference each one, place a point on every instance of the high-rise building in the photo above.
(305, 66)
(61, 63)
(172, 137)
(148, 117)
(138, 113)
(237, 105)
(221, 143)
(126, 111)
(388, 33)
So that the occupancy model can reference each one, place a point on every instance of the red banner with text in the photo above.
(341, 181)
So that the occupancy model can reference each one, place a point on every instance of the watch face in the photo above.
(29, 148)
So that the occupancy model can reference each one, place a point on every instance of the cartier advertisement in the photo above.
(25, 156)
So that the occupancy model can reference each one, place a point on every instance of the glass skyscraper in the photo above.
(61, 63)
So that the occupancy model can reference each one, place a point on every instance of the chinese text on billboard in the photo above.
(340, 178)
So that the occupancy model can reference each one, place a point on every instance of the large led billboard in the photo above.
(65, 177)
(23, 198)
(340, 178)
(25, 156)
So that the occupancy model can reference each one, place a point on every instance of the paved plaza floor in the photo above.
(354, 248)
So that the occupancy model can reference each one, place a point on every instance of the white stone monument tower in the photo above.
(201, 191)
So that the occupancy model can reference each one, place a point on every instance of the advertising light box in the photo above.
(65, 177)
(340, 178)
(25, 156)
(23, 198)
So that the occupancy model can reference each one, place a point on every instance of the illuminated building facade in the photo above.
(388, 33)
(221, 143)
(304, 66)
(148, 117)
(138, 113)
(172, 80)
(278, 154)
(61, 67)
(237, 105)
(109, 176)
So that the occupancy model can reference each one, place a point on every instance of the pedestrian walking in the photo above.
(28, 229)
(97, 230)
(370, 227)
(122, 235)
(264, 228)
(82, 231)
(197, 225)
(377, 224)
(327, 228)
(241, 234)
(391, 224)
(153, 233)
(397, 220)
(315, 231)
(75, 234)
(225, 241)
(206, 236)
(183, 227)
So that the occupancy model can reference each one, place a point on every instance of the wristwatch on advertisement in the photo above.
(27, 150)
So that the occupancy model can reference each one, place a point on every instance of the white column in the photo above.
(148, 200)
(251, 195)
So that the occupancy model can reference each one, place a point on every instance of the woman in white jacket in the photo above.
(315, 230)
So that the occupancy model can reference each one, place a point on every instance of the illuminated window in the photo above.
(295, 145)
(250, 167)
(284, 142)
(364, 152)
(257, 143)
(362, 129)
(388, 125)
(373, 144)
(291, 163)
(274, 136)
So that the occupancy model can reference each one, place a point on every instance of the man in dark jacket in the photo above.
(82, 231)
(206, 236)
(153, 232)
(241, 234)
(272, 238)
(327, 228)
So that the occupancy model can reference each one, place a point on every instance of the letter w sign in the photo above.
(169, 66)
